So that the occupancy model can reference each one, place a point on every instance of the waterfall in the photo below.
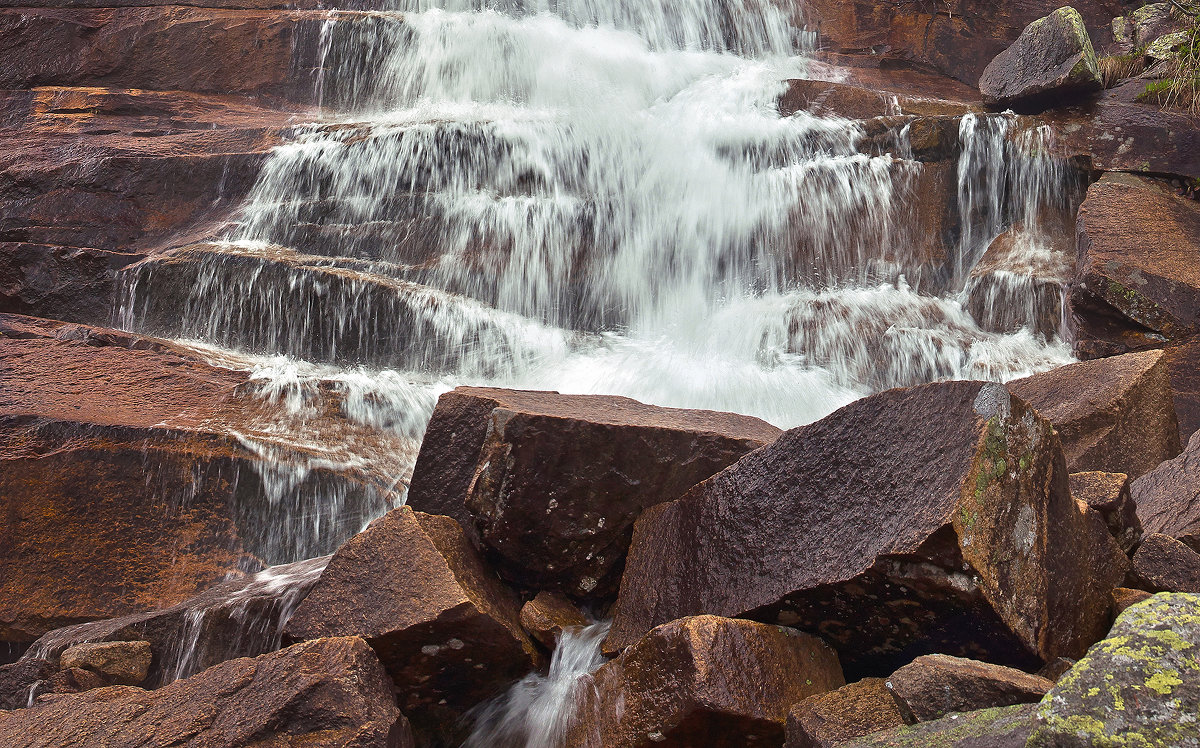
(600, 196)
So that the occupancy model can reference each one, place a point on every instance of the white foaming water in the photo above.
(600, 196)
(537, 710)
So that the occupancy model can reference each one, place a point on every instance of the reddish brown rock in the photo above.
(119, 662)
(445, 628)
(551, 484)
(1113, 414)
(1108, 494)
(1183, 364)
(126, 481)
(1163, 564)
(1136, 243)
(702, 681)
(67, 283)
(932, 686)
(1051, 60)
(929, 519)
(1168, 498)
(19, 681)
(1017, 283)
(828, 720)
(853, 101)
(1055, 669)
(547, 615)
(1123, 597)
(330, 692)
(74, 680)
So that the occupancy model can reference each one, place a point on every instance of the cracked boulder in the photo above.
(1139, 686)
(1052, 59)
(550, 484)
(929, 519)
(445, 628)
(330, 692)
(1113, 414)
(702, 680)
(1108, 494)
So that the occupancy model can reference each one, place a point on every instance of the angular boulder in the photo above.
(1136, 687)
(1001, 727)
(1112, 414)
(1183, 363)
(932, 686)
(1168, 497)
(1136, 243)
(1108, 494)
(445, 628)
(702, 680)
(1125, 597)
(1052, 59)
(546, 616)
(1163, 564)
(827, 720)
(330, 692)
(124, 663)
(930, 519)
(551, 484)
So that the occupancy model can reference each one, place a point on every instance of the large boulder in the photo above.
(1113, 414)
(330, 692)
(827, 720)
(932, 686)
(1052, 59)
(702, 681)
(1136, 242)
(551, 484)
(1168, 497)
(1163, 564)
(999, 727)
(930, 519)
(1108, 494)
(444, 626)
(1136, 687)
(129, 476)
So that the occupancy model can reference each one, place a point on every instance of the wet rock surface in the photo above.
(703, 680)
(933, 686)
(551, 484)
(958, 547)
(1108, 494)
(852, 711)
(1136, 685)
(332, 692)
(1114, 414)
(547, 615)
(1053, 58)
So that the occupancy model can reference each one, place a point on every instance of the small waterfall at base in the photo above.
(536, 711)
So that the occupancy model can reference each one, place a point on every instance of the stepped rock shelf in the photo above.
(599, 374)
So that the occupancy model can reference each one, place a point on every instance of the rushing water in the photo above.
(600, 196)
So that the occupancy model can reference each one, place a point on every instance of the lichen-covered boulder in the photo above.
(930, 519)
(1108, 494)
(1113, 414)
(551, 484)
(856, 709)
(1000, 727)
(1138, 687)
(1163, 564)
(702, 680)
(1053, 58)
(932, 686)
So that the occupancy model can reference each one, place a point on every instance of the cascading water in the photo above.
(600, 196)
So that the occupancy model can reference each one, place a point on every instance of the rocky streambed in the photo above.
(285, 294)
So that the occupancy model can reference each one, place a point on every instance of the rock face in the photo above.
(983, 537)
(932, 686)
(1113, 414)
(1168, 498)
(125, 663)
(330, 692)
(1163, 564)
(1108, 494)
(551, 483)
(128, 481)
(702, 681)
(1002, 727)
(830, 719)
(445, 628)
(547, 615)
(1136, 243)
(1137, 687)
(1052, 58)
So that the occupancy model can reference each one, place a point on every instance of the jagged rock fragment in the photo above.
(932, 686)
(829, 719)
(1052, 59)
